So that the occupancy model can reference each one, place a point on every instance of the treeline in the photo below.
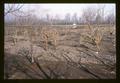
(89, 15)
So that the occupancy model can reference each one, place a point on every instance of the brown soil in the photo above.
(18, 67)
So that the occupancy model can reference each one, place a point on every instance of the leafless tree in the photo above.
(12, 8)
(95, 34)
(91, 14)
(75, 18)
(67, 18)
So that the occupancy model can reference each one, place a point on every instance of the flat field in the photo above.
(74, 57)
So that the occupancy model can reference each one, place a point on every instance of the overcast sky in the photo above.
(61, 9)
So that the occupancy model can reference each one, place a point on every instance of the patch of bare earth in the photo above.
(61, 63)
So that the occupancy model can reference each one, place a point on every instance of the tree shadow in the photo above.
(19, 64)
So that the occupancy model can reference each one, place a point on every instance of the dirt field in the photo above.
(71, 59)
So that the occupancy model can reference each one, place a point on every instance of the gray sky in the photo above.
(40, 10)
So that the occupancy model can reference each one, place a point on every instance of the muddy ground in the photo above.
(71, 59)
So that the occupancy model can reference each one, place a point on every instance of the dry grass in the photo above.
(50, 35)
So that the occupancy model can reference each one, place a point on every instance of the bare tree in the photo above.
(110, 19)
(67, 18)
(75, 18)
(48, 18)
(12, 8)
(99, 19)
(91, 14)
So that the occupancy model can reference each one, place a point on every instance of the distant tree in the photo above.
(94, 15)
(110, 18)
(51, 20)
(99, 19)
(67, 18)
(89, 14)
(75, 18)
(56, 19)
(48, 18)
